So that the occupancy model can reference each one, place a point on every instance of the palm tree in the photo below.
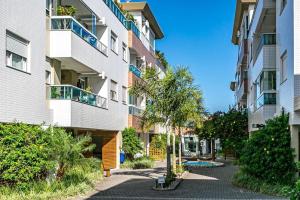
(165, 99)
(71, 153)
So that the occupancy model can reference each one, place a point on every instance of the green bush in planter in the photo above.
(268, 155)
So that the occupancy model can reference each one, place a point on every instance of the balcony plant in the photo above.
(66, 10)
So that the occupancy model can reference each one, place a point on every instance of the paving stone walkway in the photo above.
(201, 183)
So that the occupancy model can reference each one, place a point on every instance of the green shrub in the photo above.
(24, 154)
(243, 180)
(267, 155)
(68, 151)
(76, 181)
(131, 143)
(293, 192)
(159, 142)
(140, 163)
(30, 155)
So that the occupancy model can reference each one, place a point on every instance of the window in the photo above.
(133, 100)
(16, 52)
(48, 77)
(267, 81)
(124, 95)
(283, 67)
(113, 90)
(124, 51)
(114, 42)
(282, 5)
(48, 6)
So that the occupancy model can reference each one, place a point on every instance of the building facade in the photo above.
(69, 66)
(270, 30)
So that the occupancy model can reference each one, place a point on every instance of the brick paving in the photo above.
(201, 183)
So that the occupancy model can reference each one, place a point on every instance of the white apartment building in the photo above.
(68, 67)
(267, 33)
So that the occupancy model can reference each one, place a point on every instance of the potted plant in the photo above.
(66, 10)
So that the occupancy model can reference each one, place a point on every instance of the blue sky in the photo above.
(198, 35)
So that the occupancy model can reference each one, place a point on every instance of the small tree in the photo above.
(131, 143)
(72, 151)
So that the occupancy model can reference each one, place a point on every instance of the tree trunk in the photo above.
(174, 150)
(179, 150)
(168, 153)
(213, 153)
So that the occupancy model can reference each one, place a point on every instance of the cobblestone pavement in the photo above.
(201, 183)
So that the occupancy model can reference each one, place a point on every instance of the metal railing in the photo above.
(70, 92)
(69, 23)
(135, 71)
(266, 99)
(115, 9)
(132, 26)
(133, 110)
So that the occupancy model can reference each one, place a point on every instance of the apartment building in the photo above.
(66, 64)
(144, 30)
(267, 32)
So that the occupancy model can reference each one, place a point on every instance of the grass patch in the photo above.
(243, 180)
(140, 163)
(76, 181)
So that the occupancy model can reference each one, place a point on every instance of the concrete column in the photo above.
(295, 141)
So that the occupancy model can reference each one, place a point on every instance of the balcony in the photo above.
(243, 52)
(118, 13)
(241, 92)
(76, 108)
(266, 99)
(69, 92)
(265, 40)
(135, 71)
(133, 110)
(63, 23)
(132, 27)
(134, 118)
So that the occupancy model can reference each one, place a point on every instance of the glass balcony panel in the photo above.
(69, 23)
(68, 92)
(266, 99)
(135, 71)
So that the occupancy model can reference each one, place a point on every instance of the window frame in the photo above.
(124, 95)
(283, 69)
(9, 62)
(114, 47)
(124, 52)
(114, 93)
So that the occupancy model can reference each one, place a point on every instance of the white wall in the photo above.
(23, 96)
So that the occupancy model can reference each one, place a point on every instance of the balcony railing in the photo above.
(69, 92)
(266, 99)
(135, 71)
(265, 39)
(132, 26)
(133, 110)
(118, 13)
(69, 23)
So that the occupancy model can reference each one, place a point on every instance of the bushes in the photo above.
(251, 183)
(140, 163)
(131, 143)
(24, 154)
(267, 155)
(36, 160)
